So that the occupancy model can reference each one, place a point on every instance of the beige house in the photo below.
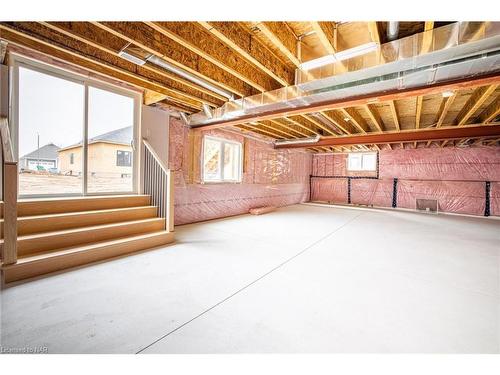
(109, 155)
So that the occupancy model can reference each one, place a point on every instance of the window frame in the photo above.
(71, 158)
(68, 73)
(129, 158)
(361, 169)
(222, 142)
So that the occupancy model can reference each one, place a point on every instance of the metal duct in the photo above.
(392, 30)
(455, 53)
(190, 77)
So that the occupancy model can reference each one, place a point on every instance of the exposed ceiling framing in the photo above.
(245, 58)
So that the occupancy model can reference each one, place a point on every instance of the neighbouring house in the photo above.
(109, 155)
(45, 157)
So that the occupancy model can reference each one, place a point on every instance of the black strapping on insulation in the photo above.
(349, 190)
(487, 197)
(395, 193)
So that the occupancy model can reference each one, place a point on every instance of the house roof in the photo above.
(47, 152)
(121, 136)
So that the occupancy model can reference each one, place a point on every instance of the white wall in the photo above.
(154, 128)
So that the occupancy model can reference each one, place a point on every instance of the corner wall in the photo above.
(456, 177)
(270, 177)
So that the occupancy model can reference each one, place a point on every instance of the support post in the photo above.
(9, 253)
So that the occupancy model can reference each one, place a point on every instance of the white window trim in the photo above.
(221, 158)
(361, 168)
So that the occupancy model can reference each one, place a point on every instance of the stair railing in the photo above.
(159, 184)
(9, 195)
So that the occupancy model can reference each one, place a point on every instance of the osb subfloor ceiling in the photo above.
(247, 58)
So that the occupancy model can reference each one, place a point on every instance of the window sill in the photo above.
(221, 182)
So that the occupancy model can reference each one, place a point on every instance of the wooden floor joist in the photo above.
(447, 133)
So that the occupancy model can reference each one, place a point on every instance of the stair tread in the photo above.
(87, 228)
(86, 247)
(81, 213)
(88, 197)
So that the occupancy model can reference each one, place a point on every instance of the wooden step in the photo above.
(68, 220)
(40, 264)
(35, 243)
(32, 207)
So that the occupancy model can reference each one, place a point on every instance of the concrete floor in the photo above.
(301, 279)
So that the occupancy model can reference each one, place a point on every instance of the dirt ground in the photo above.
(34, 184)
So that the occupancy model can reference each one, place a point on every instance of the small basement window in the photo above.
(362, 161)
(222, 160)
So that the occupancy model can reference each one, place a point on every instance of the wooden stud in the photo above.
(394, 114)
(477, 98)
(446, 104)
(374, 116)
(418, 112)
(358, 121)
(490, 113)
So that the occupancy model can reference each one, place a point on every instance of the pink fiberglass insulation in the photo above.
(270, 177)
(455, 177)
(454, 163)
(329, 190)
(452, 196)
(373, 192)
(495, 198)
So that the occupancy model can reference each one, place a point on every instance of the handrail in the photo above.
(159, 184)
(9, 179)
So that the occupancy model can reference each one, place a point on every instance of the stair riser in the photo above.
(46, 224)
(43, 266)
(58, 241)
(47, 207)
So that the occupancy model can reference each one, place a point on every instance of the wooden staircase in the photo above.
(56, 234)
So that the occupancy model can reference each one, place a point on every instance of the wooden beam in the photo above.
(240, 40)
(445, 107)
(394, 113)
(300, 123)
(151, 97)
(373, 30)
(154, 42)
(200, 41)
(275, 129)
(428, 36)
(448, 133)
(374, 116)
(490, 113)
(359, 101)
(335, 121)
(418, 112)
(358, 121)
(319, 124)
(475, 101)
(110, 43)
(325, 34)
(95, 65)
(289, 127)
(282, 38)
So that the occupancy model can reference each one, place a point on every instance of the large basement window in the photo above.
(222, 161)
(361, 161)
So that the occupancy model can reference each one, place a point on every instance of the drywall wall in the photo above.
(270, 177)
(456, 177)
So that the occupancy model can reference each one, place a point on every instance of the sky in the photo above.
(54, 108)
